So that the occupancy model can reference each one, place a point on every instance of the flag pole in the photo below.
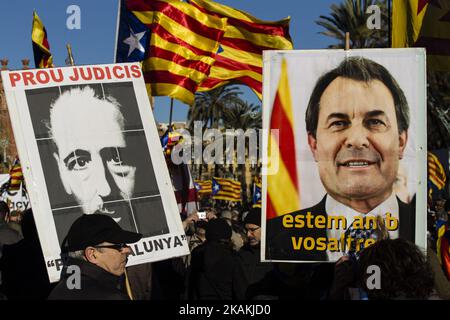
(69, 52)
(347, 41)
(119, 7)
(171, 112)
(389, 24)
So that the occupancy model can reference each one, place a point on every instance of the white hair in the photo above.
(78, 102)
(79, 255)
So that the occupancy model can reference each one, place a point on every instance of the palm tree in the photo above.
(438, 111)
(350, 16)
(209, 106)
(243, 116)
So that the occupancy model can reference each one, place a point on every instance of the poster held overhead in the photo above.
(88, 144)
(359, 137)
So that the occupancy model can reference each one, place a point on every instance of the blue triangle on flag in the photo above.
(131, 33)
(215, 187)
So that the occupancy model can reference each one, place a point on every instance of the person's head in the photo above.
(357, 122)
(252, 224)
(447, 206)
(4, 212)
(88, 133)
(98, 239)
(227, 215)
(15, 216)
(404, 270)
(200, 228)
(440, 204)
(235, 215)
(218, 230)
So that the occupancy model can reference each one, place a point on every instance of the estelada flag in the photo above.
(226, 189)
(169, 139)
(41, 48)
(257, 195)
(203, 187)
(423, 23)
(181, 49)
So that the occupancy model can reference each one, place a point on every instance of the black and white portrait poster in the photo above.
(350, 151)
(88, 143)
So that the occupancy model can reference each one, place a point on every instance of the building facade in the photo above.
(8, 150)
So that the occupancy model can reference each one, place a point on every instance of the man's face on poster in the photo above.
(357, 144)
(91, 148)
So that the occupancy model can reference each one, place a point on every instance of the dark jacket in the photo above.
(24, 273)
(279, 239)
(255, 271)
(96, 284)
(8, 235)
(216, 273)
(140, 279)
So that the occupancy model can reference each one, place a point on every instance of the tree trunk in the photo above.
(242, 172)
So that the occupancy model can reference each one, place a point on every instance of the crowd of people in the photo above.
(224, 264)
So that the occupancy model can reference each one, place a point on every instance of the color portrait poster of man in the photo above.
(88, 143)
(345, 151)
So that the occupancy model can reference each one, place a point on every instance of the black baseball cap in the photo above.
(253, 217)
(93, 229)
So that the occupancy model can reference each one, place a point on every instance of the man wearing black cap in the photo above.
(97, 247)
(250, 256)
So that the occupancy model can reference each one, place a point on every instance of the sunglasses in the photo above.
(119, 247)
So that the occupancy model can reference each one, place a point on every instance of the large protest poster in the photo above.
(357, 169)
(88, 142)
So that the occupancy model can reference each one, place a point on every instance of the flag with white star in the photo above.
(133, 37)
(204, 188)
(215, 187)
(180, 46)
(257, 195)
(226, 189)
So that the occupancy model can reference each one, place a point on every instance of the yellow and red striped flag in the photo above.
(240, 56)
(436, 172)
(423, 23)
(15, 176)
(182, 47)
(169, 140)
(226, 189)
(443, 248)
(41, 48)
(282, 186)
